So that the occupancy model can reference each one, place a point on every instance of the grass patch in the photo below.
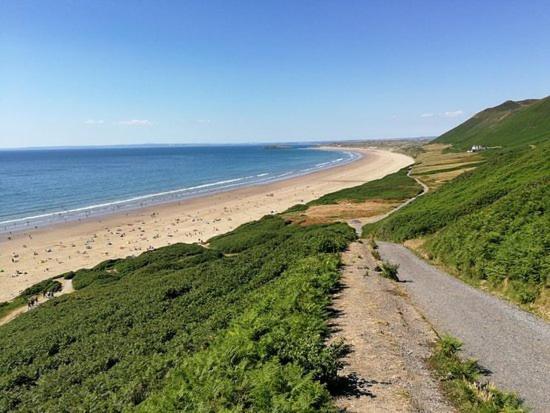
(435, 166)
(389, 271)
(366, 200)
(396, 186)
(7, 307)
(460, 167)
(461, 382)
(318, 214)
(296, 208)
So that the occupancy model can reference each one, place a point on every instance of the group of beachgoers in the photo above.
(33, 301)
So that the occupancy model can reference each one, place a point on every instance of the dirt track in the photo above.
(512, 344)
(390, 342)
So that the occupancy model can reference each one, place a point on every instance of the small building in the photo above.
(477, 148)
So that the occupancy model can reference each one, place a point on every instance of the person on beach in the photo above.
(31, 302)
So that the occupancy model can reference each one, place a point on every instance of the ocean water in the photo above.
(40, 187)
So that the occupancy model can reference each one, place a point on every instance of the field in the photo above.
(435, 165)
(238, 326)
(370, 199)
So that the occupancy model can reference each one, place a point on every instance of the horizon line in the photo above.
(152, 145)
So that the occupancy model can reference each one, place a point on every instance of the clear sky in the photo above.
(118, 72)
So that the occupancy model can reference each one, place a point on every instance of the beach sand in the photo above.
(29, 257)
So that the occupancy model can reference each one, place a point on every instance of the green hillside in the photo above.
(491, 225)
(397, 186)
(185, 328)
(508, 125)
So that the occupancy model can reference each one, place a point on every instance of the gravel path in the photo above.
(390, 342)
(67, 287)
(512, 344)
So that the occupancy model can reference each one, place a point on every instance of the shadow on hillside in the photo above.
(332, 324)
(351, 385)
(334, 313)
(338, 287)
(484, 370)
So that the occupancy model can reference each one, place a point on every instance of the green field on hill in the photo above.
(508, 125)
(397, 186)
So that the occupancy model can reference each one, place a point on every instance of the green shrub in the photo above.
(68, 275)
(372, 243)
(390, 270)
(461, 382)
(250, 234)
(50, 284)
(296, 208)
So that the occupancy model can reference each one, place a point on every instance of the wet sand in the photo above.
(29, 257)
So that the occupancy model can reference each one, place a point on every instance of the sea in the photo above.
(39, 187)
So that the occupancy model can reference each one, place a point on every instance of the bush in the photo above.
(50, 284)
(389, 270)
(461, 382)
(296, 208)
(372, 244)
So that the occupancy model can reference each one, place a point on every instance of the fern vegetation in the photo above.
(186, 328)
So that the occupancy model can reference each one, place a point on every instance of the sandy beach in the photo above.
(29, 257)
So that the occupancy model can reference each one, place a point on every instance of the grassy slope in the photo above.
(396, 186)
(186, 328)
(371, 198)
(510, 124)
(488, 224)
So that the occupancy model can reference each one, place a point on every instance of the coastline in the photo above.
(31, 256)
(101, 208)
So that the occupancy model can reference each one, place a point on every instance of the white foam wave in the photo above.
(120, 202)
(221, 185)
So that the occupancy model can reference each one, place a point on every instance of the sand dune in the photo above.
(29, 257)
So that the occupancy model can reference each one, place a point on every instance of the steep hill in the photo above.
(508, 125)
(491, 225)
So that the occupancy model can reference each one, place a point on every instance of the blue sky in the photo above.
(119, 72)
